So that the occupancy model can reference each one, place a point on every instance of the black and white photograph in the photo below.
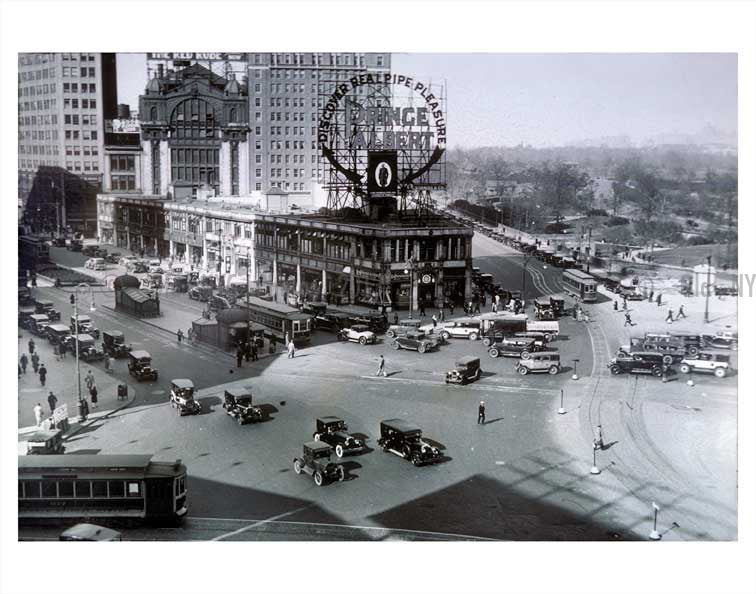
(447, 309)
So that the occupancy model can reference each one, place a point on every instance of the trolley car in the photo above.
(280, 320)
(60, 487)
(580, 285)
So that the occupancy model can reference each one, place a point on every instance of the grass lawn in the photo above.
(696, 254)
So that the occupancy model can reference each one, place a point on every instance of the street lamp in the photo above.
(574, 369)
(708, 291)
(410, 269)
(75, 303)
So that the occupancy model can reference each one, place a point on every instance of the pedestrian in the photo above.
(180, 335)
(451, 308)
(62, 349)
(615, 305)
(286, 338)
(396, 319)
(574, 312)
(52, 400)
(291, 349)
(239, 357)
(24, 362)
(89, 380)
(624, 303)
(680, 313)
(628, 321)
(422, 309)
(56, 352)
(670, 317)
(84, 410)
(31, 346)
(651, 297)
(658, 300)
(381, 367)
(35, 362)
(441, 315)
(465, 308)
(254, 351)
(247, 352)
(38, 414)
(42, 374)
(482, 413)
(493, 307)
(435, 322)
(477, 308)
(93, 395)
(273, 344)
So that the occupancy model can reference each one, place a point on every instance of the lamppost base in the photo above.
(575, 376)
(561, 411)
(595, 470)
(690, 383)
(654, 535)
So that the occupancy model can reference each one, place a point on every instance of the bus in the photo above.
(129, 486)
(580, 285)
(32, 251)
(280, 320)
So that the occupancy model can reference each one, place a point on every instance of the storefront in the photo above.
(453, 286)
(367, 288)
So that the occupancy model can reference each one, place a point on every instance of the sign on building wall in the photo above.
(382, 174)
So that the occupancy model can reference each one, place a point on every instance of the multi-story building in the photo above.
(63, 102)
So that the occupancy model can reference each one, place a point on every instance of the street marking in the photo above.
(157, 392)
(482, 387)
(260, 522)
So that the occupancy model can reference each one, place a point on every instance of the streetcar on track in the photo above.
(61, 487)
(580, 285)
(280, 320)
(32, 251)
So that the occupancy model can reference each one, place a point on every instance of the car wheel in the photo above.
(396, 345)
(615, 369)
(473, 336)
(684, 368)
(363, 340)
(478, 373)
(693, 351)
(550, 337)
(720, 372)
(406, 452)
(553, 370)
(339, 337)
(339, 451)
(342, 474)
(656, 371)
(525, 355)
(421, 347)
(416, 460)
(390, 333)
(240, 420)
(318, 478)
(487, 342)
(493, 352)
(445, 335)
(522, 370)
(316, 436)
(667, 359)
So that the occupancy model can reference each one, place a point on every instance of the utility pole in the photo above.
(708, 278)
(248, 324)
(588, 259)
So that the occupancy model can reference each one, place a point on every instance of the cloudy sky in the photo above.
(553, 99)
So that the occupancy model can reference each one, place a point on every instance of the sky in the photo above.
(554, 99)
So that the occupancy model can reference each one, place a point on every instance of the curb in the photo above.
(107, 415)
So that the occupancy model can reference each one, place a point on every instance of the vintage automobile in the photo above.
(218, 303)
(125, 260)
(331, 322)
(45, 441)
(637, 362)
(406, 440)
(333, 431)
(707, 362)
(557, 303)
(182, 397)
(153, 280)
(95, 264)
(46, 307)
(24, 316)
(86, 326)
(514, 347)
(468, 328)
(238, 404)
(466, 369)
(720, 340)
(544, 362)
(314, 308)
(75, 245)
(90, 533)
(316, 461)
(25, 298)
(88, 348)
(114, 344)
(689, 341)
(178, 283)
(357, 333)
(140, 366)
(373, 320)
(730, 290)
(90, 250)
(403, 327)
(37, 324)
(200, 293)
(112, 258)
(58, 334)
(415, 340)
(672, 348)
(137, 267)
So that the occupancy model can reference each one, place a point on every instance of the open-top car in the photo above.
(514, 347)
(637, 362)
(707, 362)
(182, 397)
(86, 326)
(404, 326)
(88, 348)
(238, 404)
(140, 366)
(45, 306)
(720, 340)
(333, 431)
(415, 340)
(466, 369)
(316, 461)
(406, 440)
(357, 333)
(114, 344)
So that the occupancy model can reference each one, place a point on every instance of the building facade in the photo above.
(63, 102)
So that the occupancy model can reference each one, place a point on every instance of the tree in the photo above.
(648, 194)
(558, 186)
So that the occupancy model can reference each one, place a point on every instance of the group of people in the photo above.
(246, 350)
(39, 368)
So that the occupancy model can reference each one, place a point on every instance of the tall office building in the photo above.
(63, 102)
(287, 91)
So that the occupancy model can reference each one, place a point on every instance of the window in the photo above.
(49, 489)
(258, 172)
(31, 489)
(258, 186)
(65, 489)
(116, 489)
(134, 489)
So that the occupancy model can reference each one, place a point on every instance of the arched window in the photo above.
(232, 115)
(194, 118)
(153, 114)
(195, 142)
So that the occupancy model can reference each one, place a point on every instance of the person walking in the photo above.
(93, 395)
(435, 322)
(658, 300)
(680, 313)
(422, 309)
(52, 400)
(615, 305)
(651, 297)
(239, 357)
(291, 348)
(35, 362)
(31, 346)
(247, 352)
(442, 315)
(670, 317)
(24, 362)
(38, 414)
(273, 343)
(628, 320)
(465, 308)
(180, 335)
(89, 380)
(62, 349)
(482, 413)
(381, 367)
(493, 307)
(254, 351)
(477, 308)
(624, 303)
(451, 308)
(42, 374)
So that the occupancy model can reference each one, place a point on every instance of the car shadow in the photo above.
(443, 460)
(208, 402)
(436, 444)
(83, 452)
(492, 421)
(488, 373)
(349, 467)
(268, 410)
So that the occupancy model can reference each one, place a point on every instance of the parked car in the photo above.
(358, 333)
(238, 404)
(89, 533)
(126, 260)
(333, 431)
(720, 340)
(112, 258)
(75, 245)
(43, 442)
(85, 326)
(58, 334)
(415, 340)
(406, 440)
(316, 461)
(37, 324)
(726, 290)
(182, 397)
(44, 306)
(466, 370)
(630, 293)
(200, 293)
(544, 362)
(403, 327)
(707, 362)
(513, 347)
(468, 328)
(331, 322)
(373, 320)
(673, 348)
(90, 250)
(140, 366)
(114, 344)
(24, 316)
(88, 348)
(637, 362)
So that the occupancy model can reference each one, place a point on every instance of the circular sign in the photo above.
(426, 278)
(383, 175)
